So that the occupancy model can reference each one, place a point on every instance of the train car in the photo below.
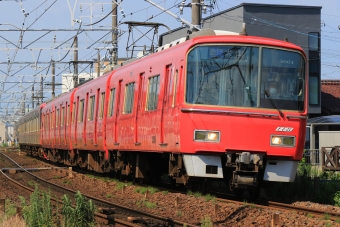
(223, 107)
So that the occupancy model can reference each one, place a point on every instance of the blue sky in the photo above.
(48, 14)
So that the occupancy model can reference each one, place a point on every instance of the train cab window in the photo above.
(153, 92)
(81, 111)
(91, 108)
(102, 101)
(129, 95)
(112, 101)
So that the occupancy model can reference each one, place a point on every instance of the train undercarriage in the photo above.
(240, 170)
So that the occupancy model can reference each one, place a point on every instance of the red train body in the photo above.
(211, 107)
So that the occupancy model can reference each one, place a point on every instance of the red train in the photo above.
(220, 106)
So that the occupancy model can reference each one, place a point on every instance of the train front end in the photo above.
(244, 110)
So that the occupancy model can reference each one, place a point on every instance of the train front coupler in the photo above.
(246, 169)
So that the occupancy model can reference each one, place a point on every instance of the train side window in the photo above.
(62, 116)
(51, 118)
(102, 101)
(129, 95)
(81, 111)
(91, 108)
(175, 88)
(153, 92)
(57, 119)
(67, 114)
(112, 101)
(74, 112)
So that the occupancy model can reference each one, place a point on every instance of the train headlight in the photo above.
(207, 136)
(285, 141)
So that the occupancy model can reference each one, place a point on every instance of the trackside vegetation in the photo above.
(40, 212)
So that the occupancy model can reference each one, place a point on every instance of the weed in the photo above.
(39, 212)
(143, 202)
(10, 208)
(83, 214)
(209, 197)
(31, 183)
(197, 194)
(143, 190)
(109, 195)
(179, 213)
(206, 222)
(57, 177)
(309, 215)
(67, 182)
(184, 225)
(165, 192)
(326, 216)
(120, 185)
(328, 224)
(245, 203)
(252, 205)
(190, 193)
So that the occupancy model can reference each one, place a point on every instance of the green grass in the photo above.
(11, 209)
(165, 192)
(120, 185)
(109, 195)
(57, 177)
(209, 197)
(31, 183)
(67, 182)
(143, 190)
(179, 213)
(143, 203)
(326, 216)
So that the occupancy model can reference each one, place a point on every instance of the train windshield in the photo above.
(245, 76)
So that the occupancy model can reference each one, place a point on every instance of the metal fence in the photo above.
(312, 157)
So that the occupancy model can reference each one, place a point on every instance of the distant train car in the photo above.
(211, 107)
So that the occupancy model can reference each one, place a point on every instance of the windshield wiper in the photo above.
(273, 104)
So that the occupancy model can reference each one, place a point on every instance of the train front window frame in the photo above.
(238, 75)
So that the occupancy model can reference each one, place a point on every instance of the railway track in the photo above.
(278, 209)
(111, 213)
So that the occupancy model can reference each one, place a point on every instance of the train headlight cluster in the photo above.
(285, 141)
(207, 136)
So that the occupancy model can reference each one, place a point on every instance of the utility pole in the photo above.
(196, 13)
(41, 89)
(75, 59)
(114, 34)
(53, 79)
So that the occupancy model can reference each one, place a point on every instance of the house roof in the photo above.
(330, 96)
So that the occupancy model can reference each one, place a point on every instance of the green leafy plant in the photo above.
(80, 216)
(39, 212)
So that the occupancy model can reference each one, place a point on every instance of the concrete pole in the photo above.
(196, 13)
(53, 79)
(114, 34)
(75, 59)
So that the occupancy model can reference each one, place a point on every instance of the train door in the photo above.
(165, 102)
(119, 88)
(139, 106)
